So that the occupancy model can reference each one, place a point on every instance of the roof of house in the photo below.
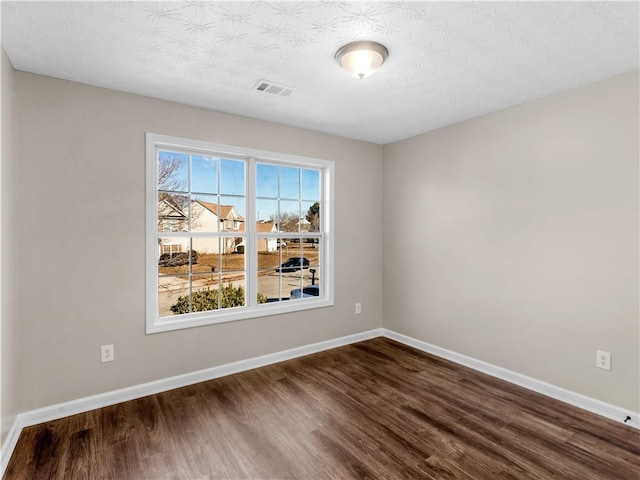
(168, 209)
(264, 227)
(224, 210)
(261, 227)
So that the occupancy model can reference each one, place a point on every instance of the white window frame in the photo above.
(155, 323)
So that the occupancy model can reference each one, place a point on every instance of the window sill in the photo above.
(178, 322)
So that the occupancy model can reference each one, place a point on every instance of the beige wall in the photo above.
(9, 374)
(81, 273)
(518, 243)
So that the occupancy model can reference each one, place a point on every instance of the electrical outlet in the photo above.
(106, 353)
(358, 308)
(603, 360)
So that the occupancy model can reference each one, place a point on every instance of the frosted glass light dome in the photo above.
(361, 59)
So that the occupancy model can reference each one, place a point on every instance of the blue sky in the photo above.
(297, 189)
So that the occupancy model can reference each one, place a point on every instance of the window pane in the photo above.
(306, 292)
(173, 256)
(289, 183)
(206, 257)
(205, 294)
(233, 292)
(292, 269)
(311, 277)
(204, 248)
(310, 285)
(310, 217)
(204, 213)
(173, 212)
(281, 271)
(204, 174)
(310, 185)
(231, 177)
(267, 180)
(266, 245)
(269, 286)
(289, 217)
(292, 283)
(170, 289)
(231, 214)
(311, 251)
(171, 245)
(173, 171)
(267, 210)
(293, 266)
(269, 259)
(232, 258)
(294, 248)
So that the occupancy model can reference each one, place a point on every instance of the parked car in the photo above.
(306, 292)
(293, 264)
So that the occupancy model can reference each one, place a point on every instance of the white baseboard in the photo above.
(53, 412)
(10, 444)
(576, 399)
(86, 404)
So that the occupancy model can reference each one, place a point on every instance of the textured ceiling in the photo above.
(449, 61)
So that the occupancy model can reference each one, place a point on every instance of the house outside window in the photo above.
(170, 249)
(170, 225)
(225, 263)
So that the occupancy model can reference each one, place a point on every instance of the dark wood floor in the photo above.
(375, 409)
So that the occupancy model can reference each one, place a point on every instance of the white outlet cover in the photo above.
(106, 353)
(603, 360)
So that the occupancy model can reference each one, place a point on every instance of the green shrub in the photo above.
(205, 300)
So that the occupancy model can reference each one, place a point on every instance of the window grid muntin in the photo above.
(325, 174)
(191, 233)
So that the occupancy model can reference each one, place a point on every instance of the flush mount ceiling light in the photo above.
(361, 59)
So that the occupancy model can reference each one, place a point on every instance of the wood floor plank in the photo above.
(376, 409)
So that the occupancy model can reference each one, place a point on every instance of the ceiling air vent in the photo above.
(266, 86)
